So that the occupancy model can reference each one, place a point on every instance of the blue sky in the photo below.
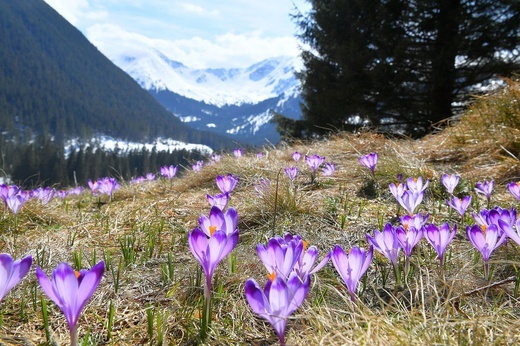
(199, 33)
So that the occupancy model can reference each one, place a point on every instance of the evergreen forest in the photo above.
(44, 163)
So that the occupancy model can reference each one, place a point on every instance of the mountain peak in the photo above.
(266, 79)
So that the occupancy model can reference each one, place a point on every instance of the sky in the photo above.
(198, 33)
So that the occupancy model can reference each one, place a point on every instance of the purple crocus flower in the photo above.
(291, 172)
(76, 190)
(150, 176)
(439, 238)
(408, 237)
(279, 256)
(328, 169)
(410, 200)
(197, 166)
(227, 183)
(418, 220)
(71, 290)
(370, 162)
(218, 220)
(238, 152)
(491, 217)
(485, 240)
(450, 182)
(308, 256)
(93, 185)
(15, 202)
(296, 156)
(12, 272)
(107, 186)
(169, 171)
(8, 190)
(260, 155)
(351, 267)
(386, 243)
(220, 200)
(44, 194)
(514, 188)
(460, 205)
(314, 161)
(397, 190)
(485, 188)
(278, 300)
(416, 185)
(209, 251)
(138, 180)
(216, 157)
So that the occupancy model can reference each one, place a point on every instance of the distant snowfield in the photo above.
(160, 144)
(155, 70)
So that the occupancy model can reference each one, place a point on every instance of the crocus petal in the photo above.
(510, 231)
(231, 242)
(231, 220)
(88, 285)
(256, 298)
(322, 264)
(65, 285)
(198, 243)
(476, 237)
(278, 295)
(215, 245)
(46, 286)
(12, 271)
(297, 291)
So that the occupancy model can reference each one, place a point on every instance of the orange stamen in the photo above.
(77, 273)
(483, 228)
(271, 276)
(212, 229)
(305, 244)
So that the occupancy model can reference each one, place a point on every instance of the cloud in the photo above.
(228, 50)
(71, 10)
(198, 33)
(78, 12)
(197, 10)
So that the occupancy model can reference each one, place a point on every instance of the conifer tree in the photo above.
(401, 65)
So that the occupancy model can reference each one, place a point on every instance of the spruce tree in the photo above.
(398, 65)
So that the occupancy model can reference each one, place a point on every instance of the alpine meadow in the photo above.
(288, 249)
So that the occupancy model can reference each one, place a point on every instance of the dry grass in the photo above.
(150, 222)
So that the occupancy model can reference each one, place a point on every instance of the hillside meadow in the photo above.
(152, 290)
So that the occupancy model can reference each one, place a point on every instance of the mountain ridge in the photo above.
(235, 102)
(54, 81)
(268, 78)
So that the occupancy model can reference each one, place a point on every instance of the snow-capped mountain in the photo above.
(217, 86)
(236, 102)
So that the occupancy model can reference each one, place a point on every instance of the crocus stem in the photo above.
(74, 336)
(442, 267)
(282, 339)
(206, 312)
(397, 275)
(486, 270)
(406, 268)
